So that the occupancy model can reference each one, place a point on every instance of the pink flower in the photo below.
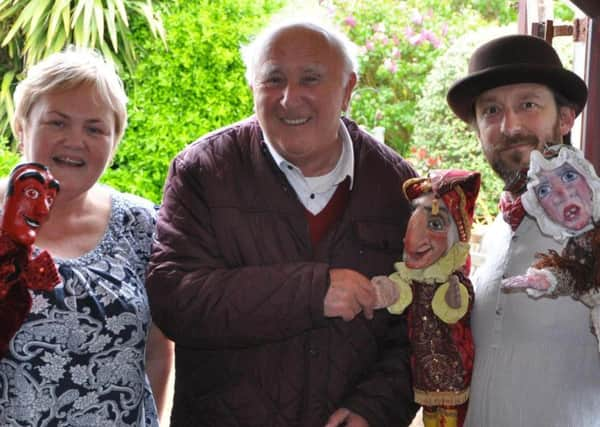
(395, 40)
(390, 65)
(416, 39)
(378, 115)
(396, 54)
(435, 42)
(350, 21)
(369, 45)
(408, 32)
(417, 18)
(379, 27)
(444, 30)
(383, 39)
(431, 37)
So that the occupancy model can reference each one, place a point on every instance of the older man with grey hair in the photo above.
(268, 234)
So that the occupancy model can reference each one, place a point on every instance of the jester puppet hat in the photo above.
(458, 190)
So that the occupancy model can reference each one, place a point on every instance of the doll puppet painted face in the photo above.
(30, 195)
(566, 197)
(561, 191)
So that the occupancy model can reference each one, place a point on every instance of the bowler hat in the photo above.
(510, 60)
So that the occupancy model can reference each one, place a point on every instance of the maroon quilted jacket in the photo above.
(234, 281)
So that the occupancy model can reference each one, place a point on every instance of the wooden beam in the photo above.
(522, 24)
(591, 123)
(590, 7)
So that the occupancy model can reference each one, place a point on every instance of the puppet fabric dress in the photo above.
(78, 359)
(441, 339)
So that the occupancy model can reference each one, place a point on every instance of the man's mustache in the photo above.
(508, 141)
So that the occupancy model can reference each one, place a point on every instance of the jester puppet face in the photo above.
(29, 197)
(443, 205)
(430, 232)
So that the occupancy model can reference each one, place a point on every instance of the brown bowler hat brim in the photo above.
(523, 68)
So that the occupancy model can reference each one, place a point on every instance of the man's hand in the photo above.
(346, 418)
(349, 293)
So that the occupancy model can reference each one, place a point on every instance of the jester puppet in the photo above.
(563, 194)
(432, 286)
(29, 196)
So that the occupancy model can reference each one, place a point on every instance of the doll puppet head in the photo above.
(30, 194)
(562, 192)
(443, 206)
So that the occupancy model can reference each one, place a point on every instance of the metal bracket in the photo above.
(547, 30)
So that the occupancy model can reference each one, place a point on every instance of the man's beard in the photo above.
(515, 178)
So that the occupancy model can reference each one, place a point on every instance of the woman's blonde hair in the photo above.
(68, 69)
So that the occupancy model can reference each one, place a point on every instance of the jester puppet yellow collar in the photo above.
(439, 271)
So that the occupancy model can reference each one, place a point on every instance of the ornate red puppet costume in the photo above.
(431, 284)
(30, 194)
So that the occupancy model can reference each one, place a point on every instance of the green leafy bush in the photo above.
(8, 158)
(31, 30)
(194, 87)
(399, 42)
(445, 137)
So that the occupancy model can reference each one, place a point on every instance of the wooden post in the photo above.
(591, 114)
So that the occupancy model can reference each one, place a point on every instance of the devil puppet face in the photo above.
(29, 197)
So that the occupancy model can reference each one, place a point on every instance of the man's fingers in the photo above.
(338, 418)
(349, 293)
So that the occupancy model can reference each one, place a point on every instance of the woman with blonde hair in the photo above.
(80, 357)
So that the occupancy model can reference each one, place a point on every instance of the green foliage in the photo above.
(444, 136)
(501, 11)
(399, 42)
(30, 30)
(195, 87)
(562, 12)
(8, 158)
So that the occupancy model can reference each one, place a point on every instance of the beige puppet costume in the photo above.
(563, 196)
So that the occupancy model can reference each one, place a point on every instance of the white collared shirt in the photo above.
(315, 192)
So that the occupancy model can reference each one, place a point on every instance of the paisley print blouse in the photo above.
(78, 360)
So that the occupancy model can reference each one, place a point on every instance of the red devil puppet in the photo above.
(431, 284)
(29, 197)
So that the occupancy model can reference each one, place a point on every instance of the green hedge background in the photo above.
(179, 94)
(412, 50)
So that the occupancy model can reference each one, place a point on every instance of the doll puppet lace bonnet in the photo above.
(554, 157)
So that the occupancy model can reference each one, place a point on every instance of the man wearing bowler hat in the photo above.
(535, 365)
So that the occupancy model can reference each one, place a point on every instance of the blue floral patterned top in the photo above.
(78, 360)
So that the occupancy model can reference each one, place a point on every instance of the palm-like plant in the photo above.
(32, 29)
